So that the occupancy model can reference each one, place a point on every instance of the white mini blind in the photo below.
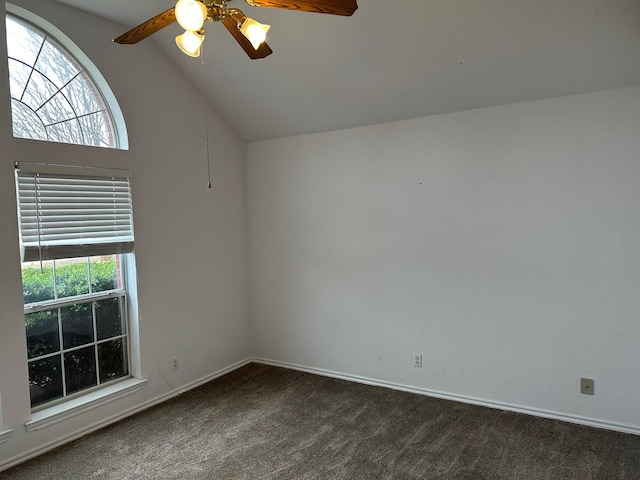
(65, 216)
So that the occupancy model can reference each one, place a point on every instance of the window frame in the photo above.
(125, 287)
(92, 297)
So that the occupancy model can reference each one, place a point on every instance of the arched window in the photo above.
(53, 97)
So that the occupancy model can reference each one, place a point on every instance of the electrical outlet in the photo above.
(587, 386)
(417, 361)
(174, 362)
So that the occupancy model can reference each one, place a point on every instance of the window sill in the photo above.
(52, 415)
(4, 435)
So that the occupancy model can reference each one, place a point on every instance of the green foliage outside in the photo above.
(37, 285)
(43, 336)
(71, 279)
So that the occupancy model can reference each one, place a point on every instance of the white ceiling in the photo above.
(401, 59)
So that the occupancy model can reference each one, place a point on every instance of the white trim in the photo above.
(75, 170)
(68, 301)
(23, 457)
(565, 417)
(4, 435)
(77, 406)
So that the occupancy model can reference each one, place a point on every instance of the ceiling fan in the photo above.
(250, 35)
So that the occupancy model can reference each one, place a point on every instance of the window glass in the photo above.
(72, 277)
(25, 42)
(38, 281)
(112, 359)
(104, 273)
(45, 380)
(43, 336)
(53, 97)
(74, 344)
(77, 325)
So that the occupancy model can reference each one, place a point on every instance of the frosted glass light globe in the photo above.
(191, 14)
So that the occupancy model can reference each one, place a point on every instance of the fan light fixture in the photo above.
(189, 42)
(249, 34)
(255, 32)
(191, 14)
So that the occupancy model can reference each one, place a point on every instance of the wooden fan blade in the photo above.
(332, 7)
(232, 25)
(147, 28)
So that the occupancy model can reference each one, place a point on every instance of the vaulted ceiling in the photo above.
(398, 60)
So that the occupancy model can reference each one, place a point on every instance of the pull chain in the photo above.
(206, 126)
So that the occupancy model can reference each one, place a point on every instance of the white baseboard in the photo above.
(591, 422)
(115, 418)
(5, 435)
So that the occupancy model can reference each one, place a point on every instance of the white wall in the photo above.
(502, 244)
(190, 241)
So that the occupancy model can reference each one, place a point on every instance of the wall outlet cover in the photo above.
(587, 386)
(417, 361)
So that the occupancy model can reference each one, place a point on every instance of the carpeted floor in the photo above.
(262, 422)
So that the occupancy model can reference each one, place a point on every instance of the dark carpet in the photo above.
(262, 422)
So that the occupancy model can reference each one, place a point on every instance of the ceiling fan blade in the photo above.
(332, 7)
(232, 25)
(147, 28)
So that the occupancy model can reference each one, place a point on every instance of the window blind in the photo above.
(64, 215)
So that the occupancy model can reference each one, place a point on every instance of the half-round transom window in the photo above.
(52, 96)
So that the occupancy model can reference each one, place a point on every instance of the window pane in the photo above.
(55, 109)
(109, 318)
(104, 273)
(66, 132)
(45, 380)
(77, 325)
(25, 42)
(20, 74)
(38, 91)
(37, 283)
(43, 336)
(72, 277)
(82, 94)
(26, 124)
(97, 129)
(58, 68)
(80, 369)
(112, 358)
